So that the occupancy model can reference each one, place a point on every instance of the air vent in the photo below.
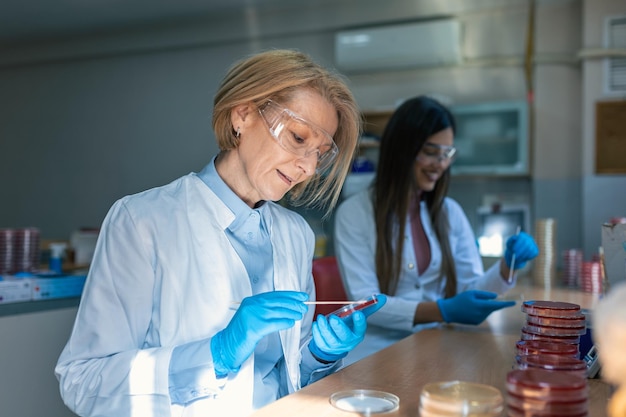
(616, 66)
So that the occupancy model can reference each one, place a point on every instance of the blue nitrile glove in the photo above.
(333, 337)
(470, 307)
(524, 248)
(256, 317)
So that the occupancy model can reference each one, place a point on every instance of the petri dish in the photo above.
(365, 401)
(550, 308)
(542, 384)
(572, 340)
(555, 331)
(575, 321)
(460, 398)
(540, 347)
(559, 363)
(347, 310)
(512, 411)
(538, 407)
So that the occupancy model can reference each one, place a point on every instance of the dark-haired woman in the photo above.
(403, 237)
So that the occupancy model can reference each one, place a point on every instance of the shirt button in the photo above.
(411, 266)
(417, 286)
(255, 280)
(250, 235)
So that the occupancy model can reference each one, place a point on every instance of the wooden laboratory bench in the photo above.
(483, 354)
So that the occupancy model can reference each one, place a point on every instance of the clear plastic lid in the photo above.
(546, 385)
(553, 363)
(365, 401)
(572, 340)
(550, 308)
(575, 321)
(555, 331)
(460, 398)
(540, 347)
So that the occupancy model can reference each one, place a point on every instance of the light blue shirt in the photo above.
(249, 235)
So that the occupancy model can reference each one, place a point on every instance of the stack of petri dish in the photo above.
(553, 321)
(27, 251)
(460, 399)
(541, 393)
(7, 248)
(591, 277)
(572, 264)
(544, 265)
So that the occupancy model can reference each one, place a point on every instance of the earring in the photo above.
(238, 133)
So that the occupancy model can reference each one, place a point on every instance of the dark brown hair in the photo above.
(408, 129)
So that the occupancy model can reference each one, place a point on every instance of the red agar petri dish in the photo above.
(555, 331)
(347, 310)
(575, 321)
(559, 363)
(540, 347)
(516, 412)
(533, 407)
(546, 385)
(572, 340)
(550, 308)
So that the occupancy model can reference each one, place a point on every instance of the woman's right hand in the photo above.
(256, 317)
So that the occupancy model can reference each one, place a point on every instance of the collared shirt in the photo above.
(249, 235)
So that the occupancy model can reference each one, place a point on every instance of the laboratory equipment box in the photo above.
(14, 290)
(65, 286)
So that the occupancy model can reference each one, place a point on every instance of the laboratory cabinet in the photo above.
(491, 137)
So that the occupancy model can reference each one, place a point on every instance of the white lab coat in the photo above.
(355, 248)
(164, 273)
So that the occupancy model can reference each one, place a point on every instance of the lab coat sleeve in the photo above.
(468, 263)
(355, 247)
(107, 368)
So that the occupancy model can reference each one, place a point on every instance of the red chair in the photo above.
(328, 284)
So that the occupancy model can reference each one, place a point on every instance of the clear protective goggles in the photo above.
(432, 153)
(298, 136)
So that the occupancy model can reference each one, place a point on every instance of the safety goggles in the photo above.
(298, 136)
(431, 153)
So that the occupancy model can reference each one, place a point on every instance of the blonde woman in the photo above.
(194, 303)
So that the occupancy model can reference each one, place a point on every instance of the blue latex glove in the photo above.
(256, 317)
(524, 248)
(470, 307)
(333, 337)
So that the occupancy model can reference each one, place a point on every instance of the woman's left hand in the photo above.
(334, 337)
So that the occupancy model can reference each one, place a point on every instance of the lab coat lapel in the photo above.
(286, 277)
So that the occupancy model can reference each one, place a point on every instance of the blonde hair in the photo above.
(276, 75)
